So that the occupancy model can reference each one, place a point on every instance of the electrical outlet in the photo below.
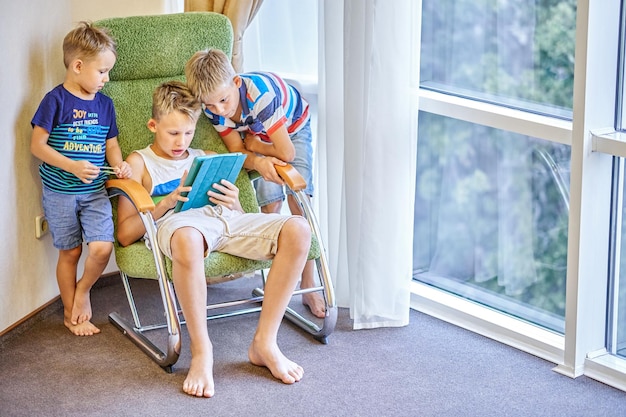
(41, 226)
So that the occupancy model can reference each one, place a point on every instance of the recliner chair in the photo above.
(151, 50)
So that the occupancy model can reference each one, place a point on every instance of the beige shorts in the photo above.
(247, 235)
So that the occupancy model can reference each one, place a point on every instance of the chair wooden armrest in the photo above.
(292, 178)
(288, 173)
(133, 191)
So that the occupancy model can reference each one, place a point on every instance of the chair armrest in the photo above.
(294, 180)
(133, 191)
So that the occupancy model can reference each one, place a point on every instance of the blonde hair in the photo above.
(85, 42)
(208, 70)
(174, 96)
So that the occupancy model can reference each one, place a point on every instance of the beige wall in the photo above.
(94, 10)
(30, 39)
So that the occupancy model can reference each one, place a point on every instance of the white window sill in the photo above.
(307, 85)
(608, 141)
(497, 117)
(487, 322)
(606, 368)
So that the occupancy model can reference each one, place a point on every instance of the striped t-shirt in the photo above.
(267, 103)
(79, 130)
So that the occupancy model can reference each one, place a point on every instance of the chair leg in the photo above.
(164, 358)
(131, 299)
(169, 357)
(322, 332)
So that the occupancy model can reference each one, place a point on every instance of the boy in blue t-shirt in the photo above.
(259, 114)
(75, 135)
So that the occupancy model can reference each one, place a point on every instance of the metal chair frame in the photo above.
(167, 357)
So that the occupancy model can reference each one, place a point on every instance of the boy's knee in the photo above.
(274, 207)
(297, 232)
(101, 250)
(187, 244)
(71, 255)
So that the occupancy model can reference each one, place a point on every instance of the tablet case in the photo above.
(205, 171)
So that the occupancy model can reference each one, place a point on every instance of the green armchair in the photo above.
(151, 50)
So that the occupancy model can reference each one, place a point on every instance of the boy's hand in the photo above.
(250, 142)
(85, 171)
(228, 195)
(265, 167)
(123, 170)
(175, 196)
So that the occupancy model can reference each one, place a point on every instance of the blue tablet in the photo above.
(205, 171)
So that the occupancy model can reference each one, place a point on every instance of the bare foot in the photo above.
(199, 381)
(315, 302)
(81, 310)
(272, 358)
(85, 328)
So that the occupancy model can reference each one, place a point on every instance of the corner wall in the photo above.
(30, 38)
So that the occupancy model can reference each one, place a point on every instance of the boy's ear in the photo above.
(152, 125)
(237, 80)
(76, 66)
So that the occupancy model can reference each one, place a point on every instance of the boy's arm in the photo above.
(130, 227)
(264, 165)
(84, 170)
(114, 158)
(280, 147)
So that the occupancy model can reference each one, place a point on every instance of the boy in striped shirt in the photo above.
(259, 114)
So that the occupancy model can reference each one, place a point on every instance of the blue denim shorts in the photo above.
(72, 216)
(269, 192)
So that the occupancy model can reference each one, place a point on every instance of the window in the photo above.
(514, 142)
(506, 162)
(296, 34)
(616, 331)
(491, 218)
(492, 186)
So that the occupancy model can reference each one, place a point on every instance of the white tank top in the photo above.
(166, 173)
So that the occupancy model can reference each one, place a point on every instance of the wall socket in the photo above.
(41, 226)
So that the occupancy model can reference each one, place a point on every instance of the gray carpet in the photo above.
(429, 368)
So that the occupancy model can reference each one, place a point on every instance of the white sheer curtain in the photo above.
(366, 137)
(174, 6)
(367, 151)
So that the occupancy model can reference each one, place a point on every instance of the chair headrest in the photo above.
(142, 52)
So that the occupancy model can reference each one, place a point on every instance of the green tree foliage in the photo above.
(510, 52)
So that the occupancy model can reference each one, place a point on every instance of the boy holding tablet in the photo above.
(187, 237)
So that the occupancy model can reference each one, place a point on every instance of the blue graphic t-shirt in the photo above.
(79, 130)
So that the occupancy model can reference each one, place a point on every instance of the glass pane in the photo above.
(617, 339)
(516, 53)
(621, 79)
(491, 218)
